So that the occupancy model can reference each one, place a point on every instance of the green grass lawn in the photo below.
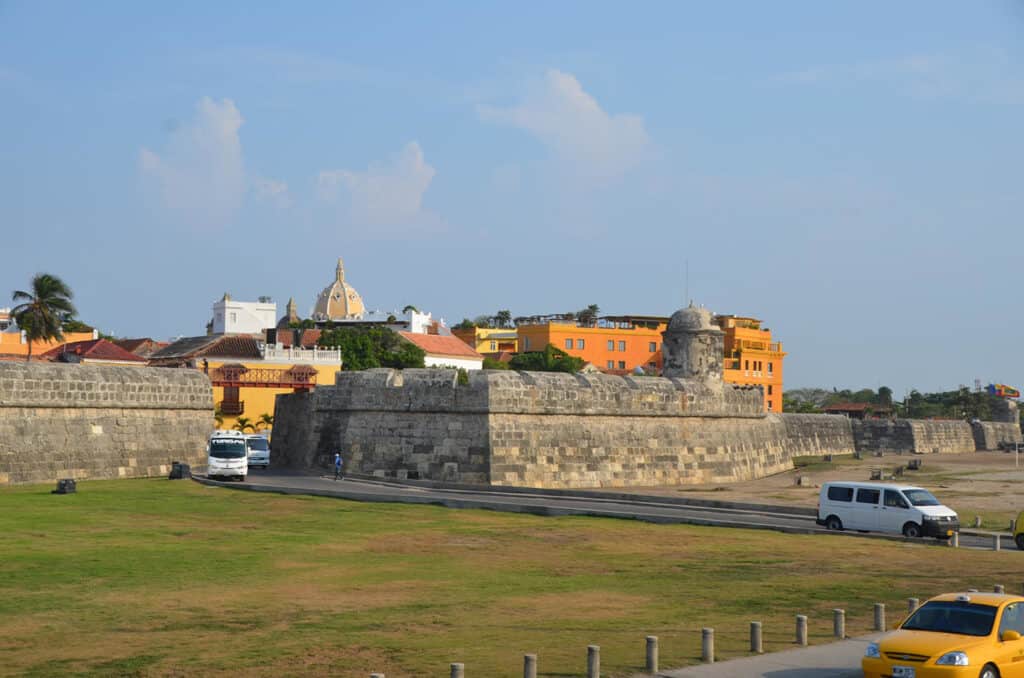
(162, 578)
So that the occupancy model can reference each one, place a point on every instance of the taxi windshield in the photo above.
(952, 616)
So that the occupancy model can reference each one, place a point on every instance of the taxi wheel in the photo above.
(988, 671)
(1020, 541)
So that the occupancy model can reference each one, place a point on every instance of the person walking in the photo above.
(337, 466)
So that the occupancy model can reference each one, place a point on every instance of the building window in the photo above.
(769, 369)
(653, 366)
(526, 343)
(233, 317)
(494, 346)
(622, 346)
(611, 364)
(769, 405)
(611, 345)
(652, 347)
(769, 389)
(622, 364)
(579, 344)
(568, 344)
(746, 364)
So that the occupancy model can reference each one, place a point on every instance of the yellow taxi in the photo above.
(956, 635)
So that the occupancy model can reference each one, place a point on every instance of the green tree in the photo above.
(588, 316)
(218, 417)
(43, 309)
(244, 423)
(265, 421)
(494, 364)
(551, 359)
(885, 396)
(503, 318)
(483, 321)
(366, 347)
(410, 307)
(466, 324)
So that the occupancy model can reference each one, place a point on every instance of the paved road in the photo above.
(563, 502)
(834, 660)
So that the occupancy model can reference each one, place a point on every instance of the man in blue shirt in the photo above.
(337, 465)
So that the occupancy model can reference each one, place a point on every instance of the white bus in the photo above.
(226, 455)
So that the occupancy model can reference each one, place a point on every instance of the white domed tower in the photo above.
(692, 346)
(339, 300)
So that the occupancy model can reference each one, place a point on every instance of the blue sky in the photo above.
(848, 171)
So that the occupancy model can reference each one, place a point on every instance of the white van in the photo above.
(885, 507)
(226, 455)
(258, 447)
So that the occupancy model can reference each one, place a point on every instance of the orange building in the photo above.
(614, 344)
(15, 343)
(751, 357)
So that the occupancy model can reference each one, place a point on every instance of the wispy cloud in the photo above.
(387, 195)
(273, 192)
(571, 122)
(987, 75)
(201, 172)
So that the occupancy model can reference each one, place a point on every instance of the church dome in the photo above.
(691, 319)
(339, 300)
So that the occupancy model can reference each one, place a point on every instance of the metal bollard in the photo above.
(977, 521)
(995, 542)
(707, 645)
(755, 637)
(912, 604)
(998, 588)
(529, 666)
(879, 616)
(954, 541)
(839, 623)
(801, 629)
(458, 670)
(593, 661)
(652, 654)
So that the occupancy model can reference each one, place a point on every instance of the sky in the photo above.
(849, 172)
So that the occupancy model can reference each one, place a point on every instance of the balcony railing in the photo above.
(231, 407)
(317, 355)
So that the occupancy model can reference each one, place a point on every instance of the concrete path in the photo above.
(834, 660)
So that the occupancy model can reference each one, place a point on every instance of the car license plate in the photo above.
(903, 672)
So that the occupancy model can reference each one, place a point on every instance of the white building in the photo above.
(243, 317)
(445, 351)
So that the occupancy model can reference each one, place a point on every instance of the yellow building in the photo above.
(486, 340)
(751, 357)
(247, 375)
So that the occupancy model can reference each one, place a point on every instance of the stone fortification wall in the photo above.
(809, 434)
(93, 421)
(545, 429)
(886, 436)
(988, 435)
(941, 437)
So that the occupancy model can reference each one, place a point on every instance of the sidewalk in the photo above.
(834, 660)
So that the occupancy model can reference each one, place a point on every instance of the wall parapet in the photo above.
(538, 393)
(102, 386)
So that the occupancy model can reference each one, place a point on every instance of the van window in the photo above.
(894, 499)
(866, 496)
(922, 498)
(257, 444)
(838, 493)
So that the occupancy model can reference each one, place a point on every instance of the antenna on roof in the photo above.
(687, 283)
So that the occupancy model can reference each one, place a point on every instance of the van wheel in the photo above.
(988, 671)
(833, 523)
(1020, 541)
(912, 530)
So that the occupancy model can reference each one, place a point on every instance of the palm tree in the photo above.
(43, 309)
(265, 420)
(504, 318)
(243, 423)
(218, 417)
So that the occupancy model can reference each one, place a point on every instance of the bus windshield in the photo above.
(227, 449)
(258, 444)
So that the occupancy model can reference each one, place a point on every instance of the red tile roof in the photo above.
(96, 349)
(308, 338)
(437, 344)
